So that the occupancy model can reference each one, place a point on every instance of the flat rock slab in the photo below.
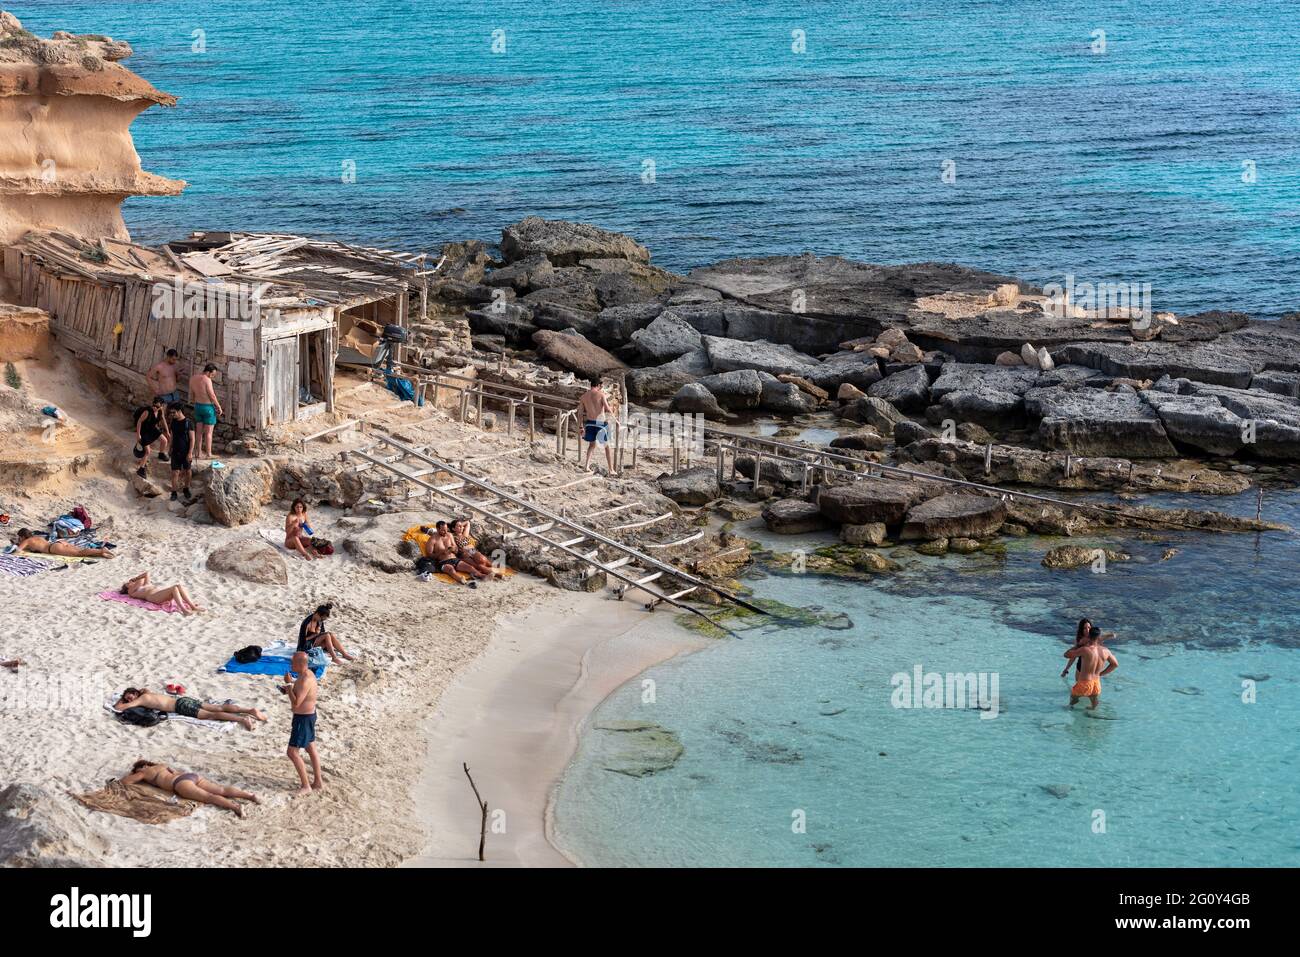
(907, 391)
(567, 244)
(954, 516)
(1198, 421)
(729, 355)
(858, 369)
(1096, 422)
(697, 486)
(792, 516)
(872, 500)
(742, 389)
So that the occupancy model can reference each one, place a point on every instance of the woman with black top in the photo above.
(312, 634)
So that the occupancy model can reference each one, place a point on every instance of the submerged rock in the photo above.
(871, 500)
(1076, 556)
(644, 748)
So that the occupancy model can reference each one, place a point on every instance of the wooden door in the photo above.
(281, 383)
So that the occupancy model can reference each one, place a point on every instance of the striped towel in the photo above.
(20, 566)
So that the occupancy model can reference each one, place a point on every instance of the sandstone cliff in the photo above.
(66, 157)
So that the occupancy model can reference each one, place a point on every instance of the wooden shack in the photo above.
(264, 309)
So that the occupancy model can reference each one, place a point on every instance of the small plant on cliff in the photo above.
(12, 378)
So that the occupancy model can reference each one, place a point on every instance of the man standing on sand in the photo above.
(593, 408)
(302, 734)
(163, 377)
(182, 430)
(1092, 657)
(207, 408)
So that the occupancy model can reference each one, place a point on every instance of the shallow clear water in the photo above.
(1121, 166)
(1179, 769)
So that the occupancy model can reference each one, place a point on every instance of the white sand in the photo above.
(515, 715)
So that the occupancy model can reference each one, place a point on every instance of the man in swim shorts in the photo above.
(302, 732)
(593, 408)
(187, 707)
(1093, 657)
(207, 408)
(163, 377)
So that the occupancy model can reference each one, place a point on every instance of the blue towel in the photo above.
(402, 388)
(266, 665)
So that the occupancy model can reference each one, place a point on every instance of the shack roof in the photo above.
(295, 268)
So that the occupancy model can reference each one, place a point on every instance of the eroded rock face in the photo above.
(955, 515)
(86, 101)
(251, 559)
(666, 337)
(567, 244)
(784, 398)
(37, 831)
(792, 516)
(741, 389)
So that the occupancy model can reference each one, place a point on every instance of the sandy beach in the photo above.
(515, 715)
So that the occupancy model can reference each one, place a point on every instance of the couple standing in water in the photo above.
(1092, 661)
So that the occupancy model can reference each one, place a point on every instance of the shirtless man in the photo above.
(141, 589)
(302, 733)
(1092, 656)
(163, 378)
(29, 541)
(207, 407)
(593, 408)
(187, 707)
(441, 549)
(188, 786)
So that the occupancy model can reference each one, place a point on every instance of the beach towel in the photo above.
(66, 526)
(20, 566)
(276, 660)
(172, 717)
(141, 802)
(170, 606)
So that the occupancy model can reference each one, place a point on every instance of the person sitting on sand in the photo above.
(470, 555)
(1092, 657)
(312, 634)
(302, 732)
(441, 550)
(13, 664)
(297, 531)
(187, 707)
(141, 589)
(188, 786)
(29, 541)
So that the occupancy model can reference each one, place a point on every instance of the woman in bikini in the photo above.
(297, 531)
(470, 555)
(29, 541)
(189, 786)
(141, 589)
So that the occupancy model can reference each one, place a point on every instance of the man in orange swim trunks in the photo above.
(1093, 657)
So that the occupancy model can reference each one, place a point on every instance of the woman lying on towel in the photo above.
(187, 707)
(29, 541)
(188, 785)
(141, 589)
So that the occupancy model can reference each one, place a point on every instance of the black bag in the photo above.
(246, 656)
(144, 717)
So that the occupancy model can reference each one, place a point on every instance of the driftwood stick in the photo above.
(482, 831)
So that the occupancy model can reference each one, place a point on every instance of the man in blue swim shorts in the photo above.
(593, 408)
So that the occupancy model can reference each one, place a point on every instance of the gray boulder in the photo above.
(613, 327)
(667, 337)
(567, 244)
(692, 487)
(770, 470)
(656, 382)
(1281, 383)
(858, 369)
(907, 391)
(864, 440)
(693, 398)
(1096, 422)
(741, 389)
(784, 398)
(576, 353)
(877, 413)
(729, 355)
(793, 516)
(1197, 421)
(954, 516)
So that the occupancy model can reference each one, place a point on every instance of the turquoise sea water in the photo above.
(1179, 769)
(1121, 165)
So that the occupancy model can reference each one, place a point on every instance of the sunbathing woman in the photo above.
(141, 589)
(312, 634)
(29, 541)
(187, 707)
(188, 786)
(297, 531)
(470, 555)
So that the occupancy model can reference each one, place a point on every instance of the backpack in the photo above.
(323, 545)
(144, 717)
(246, 656)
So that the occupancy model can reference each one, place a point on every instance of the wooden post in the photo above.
(510, 418)
(483, 807)
(478, 408)
(532, 426)
(1259, 505)
(988, 458)
(464, 405)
